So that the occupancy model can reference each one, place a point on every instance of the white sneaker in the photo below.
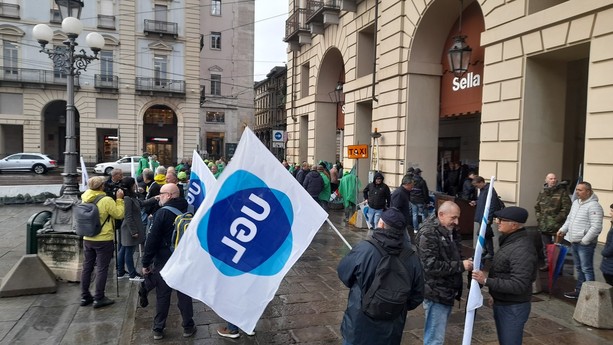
(137, 279)
(125, 275)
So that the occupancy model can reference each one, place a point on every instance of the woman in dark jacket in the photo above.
(132, 232)
(607, 254)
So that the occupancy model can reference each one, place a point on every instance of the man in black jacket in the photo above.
(157, 253)
(511, 275)
(377, 194)
(401, 200)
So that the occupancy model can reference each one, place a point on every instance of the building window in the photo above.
(215, 116)
(106, 65)
(304, 79)
(215, 40)
(160, 68)
(216, 7)
(10, 58)
(216, 84)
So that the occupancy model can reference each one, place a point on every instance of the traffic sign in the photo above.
(277, 135)
(278, 145)
(357, 151)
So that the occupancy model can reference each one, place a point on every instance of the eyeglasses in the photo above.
(500, 220)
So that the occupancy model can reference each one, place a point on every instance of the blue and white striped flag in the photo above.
(252, 227)
(201, 181)
(475, 298)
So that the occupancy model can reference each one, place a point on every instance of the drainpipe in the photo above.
(374, 63)
(293, 96)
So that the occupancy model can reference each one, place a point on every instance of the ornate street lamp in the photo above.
(459, 53)
(72, 62)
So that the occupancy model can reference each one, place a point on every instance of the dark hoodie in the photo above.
(157, 246)
(378, 195)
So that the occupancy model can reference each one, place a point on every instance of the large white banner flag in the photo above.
(201, 181)
(84, 176)
(254, 224)
(475, 298)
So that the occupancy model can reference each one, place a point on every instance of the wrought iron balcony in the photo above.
(27, 77)
(55, 17)
(161, 28)
(106, 22)
(9, 10)
(106, 81)
(157, 85)
(323, 11)
(296, 25)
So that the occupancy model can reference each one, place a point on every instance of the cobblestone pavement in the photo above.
(307, 308)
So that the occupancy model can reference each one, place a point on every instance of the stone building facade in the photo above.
(270, 120)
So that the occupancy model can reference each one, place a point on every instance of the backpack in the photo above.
(86, 218)
(387, 296)
(180, 226)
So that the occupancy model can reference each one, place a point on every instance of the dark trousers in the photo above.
(510, 320)
(99, 253)
(608, 278)
(163, 293)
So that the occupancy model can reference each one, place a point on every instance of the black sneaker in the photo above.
(158, 334)
(142, 295)
(103, 302)
(87, 301)
(188, 332)
(571, 294)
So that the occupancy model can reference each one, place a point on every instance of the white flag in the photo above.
(201, 181)
(253, 226)
(84, 176)
(475, 298)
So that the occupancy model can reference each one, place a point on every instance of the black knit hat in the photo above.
(513, 213)
(394, 218)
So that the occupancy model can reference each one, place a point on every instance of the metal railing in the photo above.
(106, 22)
(317, 7)
(32, 76)
(106, 81)
(295, 23)
(9, 10)
(159, 85)
(160, 27)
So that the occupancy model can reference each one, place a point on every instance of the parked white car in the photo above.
(123, 164)
(36, 162)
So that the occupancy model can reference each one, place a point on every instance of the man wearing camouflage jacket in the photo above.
(552, 206)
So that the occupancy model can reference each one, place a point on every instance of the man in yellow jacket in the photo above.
(99, 249)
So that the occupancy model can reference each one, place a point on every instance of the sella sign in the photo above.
(466, 82)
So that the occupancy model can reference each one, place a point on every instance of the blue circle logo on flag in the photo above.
(196, 190)
(248, 228)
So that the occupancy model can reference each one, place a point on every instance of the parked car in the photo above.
(123, 164)
(36, 162)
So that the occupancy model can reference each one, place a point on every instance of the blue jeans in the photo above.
(418, 209)
(583, 256)
(232, 327)
(125, 256)
(436, 317)
(510, 320)
(373, 217)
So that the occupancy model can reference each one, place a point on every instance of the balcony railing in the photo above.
(316, 9)
(106, 81)
(9, 10)
(162, 28)
(106, 22)
(160, 85)
(295, 24)
(23, 76)
(55, 17)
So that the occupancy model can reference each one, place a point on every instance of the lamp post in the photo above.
(72, 62)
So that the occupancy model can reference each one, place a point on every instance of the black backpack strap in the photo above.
(377, 245)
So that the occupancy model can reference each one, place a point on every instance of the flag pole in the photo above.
(475, 298)
(338, 233)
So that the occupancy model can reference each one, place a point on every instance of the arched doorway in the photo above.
(329, 120)
(54, 133)
(160, 133)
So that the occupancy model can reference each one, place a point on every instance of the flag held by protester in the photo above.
(84, 176)
(254, 224)
(201, 180)
(475, 298)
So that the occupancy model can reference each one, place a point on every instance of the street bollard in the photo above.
(35, 223)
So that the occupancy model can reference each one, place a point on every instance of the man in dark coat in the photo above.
(443, 267)
(301, 174)
(357, 271)
(420, 198)
(313, 183)
(511, 275)
(483, 189)
(157, 253)
(400, 199)
(377, 194)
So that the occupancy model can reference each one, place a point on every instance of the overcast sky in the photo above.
(270, 16)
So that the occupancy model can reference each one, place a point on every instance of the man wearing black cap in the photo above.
(511, 275)
(358, 270)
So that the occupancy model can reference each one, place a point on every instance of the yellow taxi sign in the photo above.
(357, 151)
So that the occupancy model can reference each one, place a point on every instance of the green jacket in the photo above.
(324, 195)
(552, 206)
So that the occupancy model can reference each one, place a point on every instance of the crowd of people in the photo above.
(427, 247)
